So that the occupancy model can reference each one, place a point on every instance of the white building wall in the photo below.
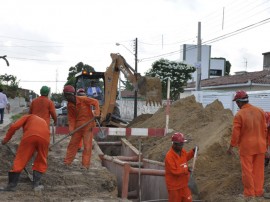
(217, 66)
(189, 56)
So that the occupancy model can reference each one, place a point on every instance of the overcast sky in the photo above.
(42, 39)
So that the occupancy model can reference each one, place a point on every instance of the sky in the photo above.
(43, 39)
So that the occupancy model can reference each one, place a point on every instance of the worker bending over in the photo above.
(43, 106)
(79, 113)
(36, 138)
(176, 170)
(249, 135)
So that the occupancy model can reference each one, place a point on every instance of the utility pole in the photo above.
(136, 63)
(199, 52)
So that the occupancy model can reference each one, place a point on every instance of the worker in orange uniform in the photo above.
(43, 106)
(80, 92)
(80, 112)
(176, 170)
(267, 156)
(249, 135)
(36, 138)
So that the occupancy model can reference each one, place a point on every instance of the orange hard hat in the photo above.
(80, 90)
(240, 95)
(69, 89)
(178, 138)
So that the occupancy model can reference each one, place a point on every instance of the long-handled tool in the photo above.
(100, 133)
(72, 132)
(26, 171)
(191, 183)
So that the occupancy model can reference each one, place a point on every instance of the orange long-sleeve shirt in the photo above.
(249, 130)
(82, 112)
(44, 108)
(176, 171)
(32, 125)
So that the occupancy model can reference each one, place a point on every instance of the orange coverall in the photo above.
(249, 135)
(36, 138)
(44, 108)
(78, 115)
(177, 175)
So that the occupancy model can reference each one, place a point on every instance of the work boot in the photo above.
(13, 179)
(36, 181)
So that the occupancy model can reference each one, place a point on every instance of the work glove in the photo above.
(185, 168)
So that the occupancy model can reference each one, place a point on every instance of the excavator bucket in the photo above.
(151, 89)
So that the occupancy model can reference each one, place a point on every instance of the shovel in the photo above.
(191, 183)
(72, 132)
(26, 171)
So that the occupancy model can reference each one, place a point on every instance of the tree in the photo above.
(228, 68)
(74, 70)
(178, 73)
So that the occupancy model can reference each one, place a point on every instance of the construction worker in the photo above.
(176, 170)
(267, 156)
(80, 112)
(80, 92)
(36, 138)
(43, 106)
(249, 135)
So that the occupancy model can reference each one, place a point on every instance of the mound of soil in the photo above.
(217, 174)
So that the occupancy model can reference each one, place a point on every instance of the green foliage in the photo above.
(178, 73)
(74, 70)
(58, 97)
(228, 68)
(16, 117)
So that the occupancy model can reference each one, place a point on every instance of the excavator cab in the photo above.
(92, 83)
(94, 86)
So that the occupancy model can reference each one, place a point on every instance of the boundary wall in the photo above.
(257, 98)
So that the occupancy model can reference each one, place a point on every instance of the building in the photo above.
(266, 61)
(210, 67)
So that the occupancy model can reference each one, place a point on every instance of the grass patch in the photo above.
(16, 117)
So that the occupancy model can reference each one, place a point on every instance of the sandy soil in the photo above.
(217, 174)
(61, 183)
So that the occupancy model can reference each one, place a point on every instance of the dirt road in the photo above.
(61, 183)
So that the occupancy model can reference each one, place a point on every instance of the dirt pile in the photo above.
(217, 174)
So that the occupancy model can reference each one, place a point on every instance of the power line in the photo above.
(267, 20)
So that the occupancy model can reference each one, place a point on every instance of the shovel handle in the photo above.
(72, 132)
(26, 171)
(194, 158)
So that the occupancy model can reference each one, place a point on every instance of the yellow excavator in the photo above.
(103, 87)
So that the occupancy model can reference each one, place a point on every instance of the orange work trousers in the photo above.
(28, 146)
(180, 195)
(87, 136)
(252, 174)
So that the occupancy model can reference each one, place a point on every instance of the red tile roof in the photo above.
(260, 77)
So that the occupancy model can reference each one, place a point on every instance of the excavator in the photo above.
(103, 87)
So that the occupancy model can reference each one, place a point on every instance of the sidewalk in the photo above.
(7, 117)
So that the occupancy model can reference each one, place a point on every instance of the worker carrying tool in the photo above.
(79, 112)
(176, 170)
(43, 106)
(249, 135)
(36, 138)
